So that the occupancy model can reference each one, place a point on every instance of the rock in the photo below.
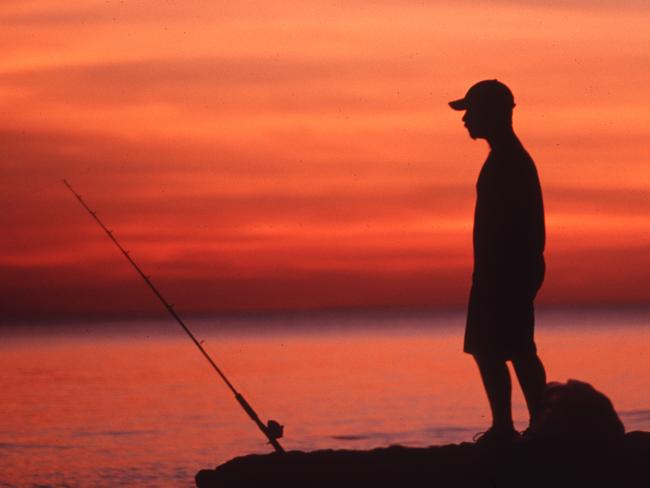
(577, 410)
(536, 463)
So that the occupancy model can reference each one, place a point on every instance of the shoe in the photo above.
(494, 436)
(529, 434)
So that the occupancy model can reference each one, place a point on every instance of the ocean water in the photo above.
(135, 404)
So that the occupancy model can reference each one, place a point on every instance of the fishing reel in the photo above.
(274, 429)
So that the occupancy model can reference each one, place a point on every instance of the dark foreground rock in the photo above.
(575, 409)
(551, 462)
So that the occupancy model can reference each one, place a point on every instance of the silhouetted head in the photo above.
(488, 109)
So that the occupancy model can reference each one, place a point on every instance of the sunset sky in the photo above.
(257, 155)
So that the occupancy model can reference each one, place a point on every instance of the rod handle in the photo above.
(253, 415)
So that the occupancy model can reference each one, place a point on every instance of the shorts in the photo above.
(500, 322)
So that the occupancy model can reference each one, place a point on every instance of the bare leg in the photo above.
(532, 378)
(496, 380)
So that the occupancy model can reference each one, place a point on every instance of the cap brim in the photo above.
(459, 104)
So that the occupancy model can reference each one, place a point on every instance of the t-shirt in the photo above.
(509, 231)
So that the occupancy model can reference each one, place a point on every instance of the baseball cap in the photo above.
(486, 93)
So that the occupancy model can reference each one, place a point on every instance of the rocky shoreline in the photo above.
(623, 461)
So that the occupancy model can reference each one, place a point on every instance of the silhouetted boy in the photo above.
(508, 258)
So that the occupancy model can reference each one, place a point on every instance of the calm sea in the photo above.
(135, 404)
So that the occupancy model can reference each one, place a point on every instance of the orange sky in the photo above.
(256, 155)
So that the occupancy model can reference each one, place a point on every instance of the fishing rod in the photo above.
(272, 430)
